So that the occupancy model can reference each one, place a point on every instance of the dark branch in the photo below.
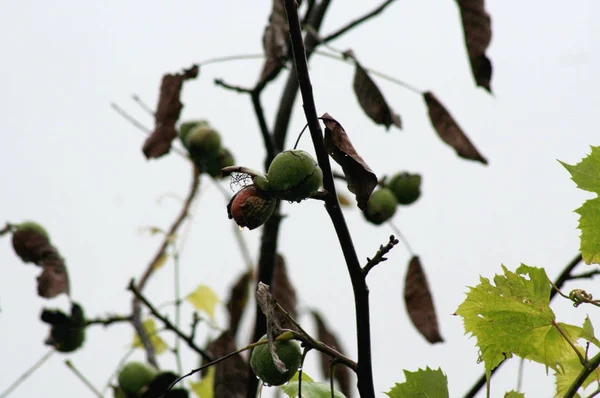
(237, 89)
(353, 24)
(137, 321)
(379, 256)
(109, 320)
(168, 325)
(559, 283)
(359, 287)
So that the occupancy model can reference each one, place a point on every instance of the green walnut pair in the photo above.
(205, 147)
(293, 175)
(403, 188)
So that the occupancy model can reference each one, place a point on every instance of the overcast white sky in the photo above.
(72, 164)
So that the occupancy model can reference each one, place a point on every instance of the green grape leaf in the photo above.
(514, 394)
(588, 330)
(204, 387)
(310, 389)
(514, 317)
(305, 377)
(422, 383)
(568, 372)
(204, 299)
(157, 342)
(586, 174)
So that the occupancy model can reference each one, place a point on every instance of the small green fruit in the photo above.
(251, 207)
(214, 165)
(381, 206)
(264, 368)
(406, 187)
(202, 143)
(294, 175)
(134, 376)
(186, 127)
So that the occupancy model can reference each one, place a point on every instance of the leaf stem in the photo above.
(27, 373)
(177, 288)
(84, 379)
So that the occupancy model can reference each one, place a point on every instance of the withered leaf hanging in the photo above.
(238, 300)
(268, 306)
(342, 374)
(449, 131)
(361, 180)
(167, 113)
(231, 375)
(419, 303)
(476, 24)
(284, 292)
(275, 43)
(370, 97)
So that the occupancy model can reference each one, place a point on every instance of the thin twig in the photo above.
(25, 375)
(359, 286)
(227, 58)
(136, 307)
(109, 320)
(301, 370)
(136, 123)
(83, 379)
(237, 89)
(178, 301)
(168, 325)
(402, 238)
(353, 24)
(588, 368)
(585, 275)
(379, 256)
(559, 283)
(142, 104)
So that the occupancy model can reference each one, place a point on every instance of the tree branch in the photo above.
(353, 24)
(361, 292)
(168, 325)
(587, 370)
(559, 283)
(109, 320)
(136, 306)
(379, 256)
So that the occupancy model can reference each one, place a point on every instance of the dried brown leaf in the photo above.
(231, 375)
(449, 131)
(275, 43)
(268, 306)
(478, 34)
(238, 300)
(54, 279)
(419, 302)
(342, 374)
(371, 99)
(284, 292)
(167, 113)
(361, 180)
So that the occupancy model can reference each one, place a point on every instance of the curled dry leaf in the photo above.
(238, 300)
(361, 180)
(371, 99)
(284, 292)
(449, 131)
(477, 28)
(268, 306)
(342, 374)
(167, 113)
(275, 43)
(54, 279)
(419, 302)
(231, 375)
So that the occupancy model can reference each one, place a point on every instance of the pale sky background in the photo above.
(74, 165)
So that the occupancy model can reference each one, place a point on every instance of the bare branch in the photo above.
(379, 256)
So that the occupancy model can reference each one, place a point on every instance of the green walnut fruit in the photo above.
(406, 187)
(186, 127)
(202, 143)
(381, 206)
(251, 207)
(264, 368)
(28, 240)
(214, 165)
(294, 175)
(134, 376)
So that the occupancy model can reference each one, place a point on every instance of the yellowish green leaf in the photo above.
(204, 299)
(157, 342)
(205, 387)
(514, 394)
